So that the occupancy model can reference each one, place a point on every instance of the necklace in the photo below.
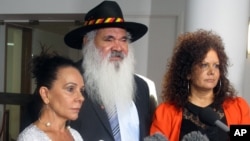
(47, 124)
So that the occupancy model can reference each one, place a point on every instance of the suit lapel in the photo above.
(101, 114)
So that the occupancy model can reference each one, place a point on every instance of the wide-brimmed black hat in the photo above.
(106, 14)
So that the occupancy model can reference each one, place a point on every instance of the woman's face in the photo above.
(65, 96)
(205, 75)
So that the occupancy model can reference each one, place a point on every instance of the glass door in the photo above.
(17, 78)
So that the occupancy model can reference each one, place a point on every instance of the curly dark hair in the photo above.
(190, 50)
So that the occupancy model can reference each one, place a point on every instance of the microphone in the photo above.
(208, 115)
(156, 137)
(195, 136)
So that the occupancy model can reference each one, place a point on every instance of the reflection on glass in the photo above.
(13, 75)
(18, 39)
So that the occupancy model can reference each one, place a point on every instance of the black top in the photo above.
(191, 122)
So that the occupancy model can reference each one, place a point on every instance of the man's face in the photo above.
(108, 62)
(112, 43)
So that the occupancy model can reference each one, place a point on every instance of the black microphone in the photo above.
(195, 136)
(208, 115)
(156, 137)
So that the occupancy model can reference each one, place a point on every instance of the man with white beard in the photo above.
(110, 83)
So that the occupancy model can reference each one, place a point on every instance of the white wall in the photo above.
(164, 18)
(246, 82)
(140, 7)
(224, 23)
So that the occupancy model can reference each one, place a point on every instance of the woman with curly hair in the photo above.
(196, 79)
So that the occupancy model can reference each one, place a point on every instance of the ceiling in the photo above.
(13, 17)
(55, 23)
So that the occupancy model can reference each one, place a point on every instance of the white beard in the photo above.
(109, 83)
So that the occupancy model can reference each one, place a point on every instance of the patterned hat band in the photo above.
(103, 20)
(106, 14)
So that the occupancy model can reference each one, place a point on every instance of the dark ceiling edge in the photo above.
(53, 17)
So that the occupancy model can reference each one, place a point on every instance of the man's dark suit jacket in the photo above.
(93, 123)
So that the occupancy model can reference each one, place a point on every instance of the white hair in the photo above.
(106, 83)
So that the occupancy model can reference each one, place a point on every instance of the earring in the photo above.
(47, 124)
(68, 124)
(46, 102)
(188, 86)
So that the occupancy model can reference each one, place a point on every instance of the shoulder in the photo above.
(30, 133)
(167, 110)
(145, 79)
(236, 102)
(236, 105)
(139, 80)
(167, 119)
(164, 106)
(151, 86)
(141, 86)
(237, 111)
(29, 129)
(76, 135)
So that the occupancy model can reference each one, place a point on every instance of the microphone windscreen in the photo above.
(208, 115)
(195, 136)
(156, 137)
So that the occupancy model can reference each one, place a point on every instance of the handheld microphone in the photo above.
(156, 137)
(195, 136)
(208, 115)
